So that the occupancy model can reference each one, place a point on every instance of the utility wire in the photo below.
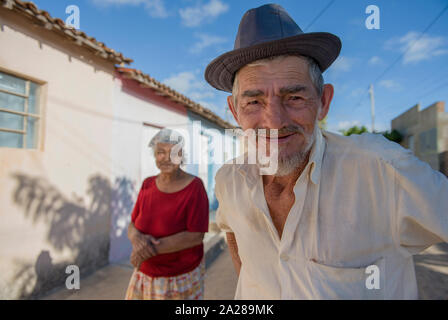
(318, 16)
(433, 90)
(445, 84)
(401, 56)
(412, 44)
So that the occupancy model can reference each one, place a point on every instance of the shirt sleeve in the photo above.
(137, 207)
(198, 214)
(421, 196)
(221, 218)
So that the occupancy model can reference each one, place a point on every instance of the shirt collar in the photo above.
(250, 171)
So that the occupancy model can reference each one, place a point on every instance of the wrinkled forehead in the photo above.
(284, 61)
(283, 70)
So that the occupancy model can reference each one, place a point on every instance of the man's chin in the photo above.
(286, 152)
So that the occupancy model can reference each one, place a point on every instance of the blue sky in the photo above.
(173, 41)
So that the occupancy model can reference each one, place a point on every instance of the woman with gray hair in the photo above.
(168, 223)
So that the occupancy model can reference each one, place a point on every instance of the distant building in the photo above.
(425, 132)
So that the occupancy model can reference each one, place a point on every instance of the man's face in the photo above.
(280, 95)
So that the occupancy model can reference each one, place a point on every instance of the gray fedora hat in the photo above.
(269, 31)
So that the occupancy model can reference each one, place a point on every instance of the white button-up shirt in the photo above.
(360, 201)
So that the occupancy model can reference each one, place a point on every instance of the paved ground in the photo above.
(221, 279)
(110, 283)
(431, 267)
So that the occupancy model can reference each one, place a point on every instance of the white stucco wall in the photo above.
(69, 201)
(54, 201)
(130, 139)
(221, 148)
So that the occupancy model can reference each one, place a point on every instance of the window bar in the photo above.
(20, 113)
(13, 93)
(12, 130)
(25, 118)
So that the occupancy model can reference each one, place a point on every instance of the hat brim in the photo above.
(323, 47)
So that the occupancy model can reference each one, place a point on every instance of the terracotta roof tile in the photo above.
(42, 17)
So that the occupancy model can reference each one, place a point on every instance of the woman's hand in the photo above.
(143, 246)
(136, 259)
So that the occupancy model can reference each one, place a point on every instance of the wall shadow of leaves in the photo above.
(85, 227)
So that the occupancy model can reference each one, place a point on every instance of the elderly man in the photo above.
(342, 216)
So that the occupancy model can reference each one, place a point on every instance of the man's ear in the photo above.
(327, 96)
(232, 108)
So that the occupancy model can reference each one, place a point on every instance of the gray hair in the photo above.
(166, 136)
(172, 137)
(313, 69)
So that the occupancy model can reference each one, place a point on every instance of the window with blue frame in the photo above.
(19, 112)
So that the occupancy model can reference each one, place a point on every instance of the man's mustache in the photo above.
(265, 132)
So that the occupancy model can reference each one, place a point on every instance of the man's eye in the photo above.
(295, 98)
(253, 102)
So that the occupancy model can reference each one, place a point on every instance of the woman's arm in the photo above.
(140, 239)
(179, 241)
(197, 222)
(143, 245)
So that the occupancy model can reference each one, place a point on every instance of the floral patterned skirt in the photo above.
(187, 286)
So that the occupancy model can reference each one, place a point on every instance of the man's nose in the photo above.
(275, 114)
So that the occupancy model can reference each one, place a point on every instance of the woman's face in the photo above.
(162, 153)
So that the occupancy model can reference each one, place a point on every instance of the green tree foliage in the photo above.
(354, 130)
(323, 123)
(394, 135)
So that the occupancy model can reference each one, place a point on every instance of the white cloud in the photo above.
(193, 85)
(375, 60)
(189, 84)
(390, 84)
(417, 49)
(155, 8)
(342, 64)
(182, 82)
(195, 16)
(205, 41)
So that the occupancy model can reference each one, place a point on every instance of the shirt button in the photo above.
(284, 257)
